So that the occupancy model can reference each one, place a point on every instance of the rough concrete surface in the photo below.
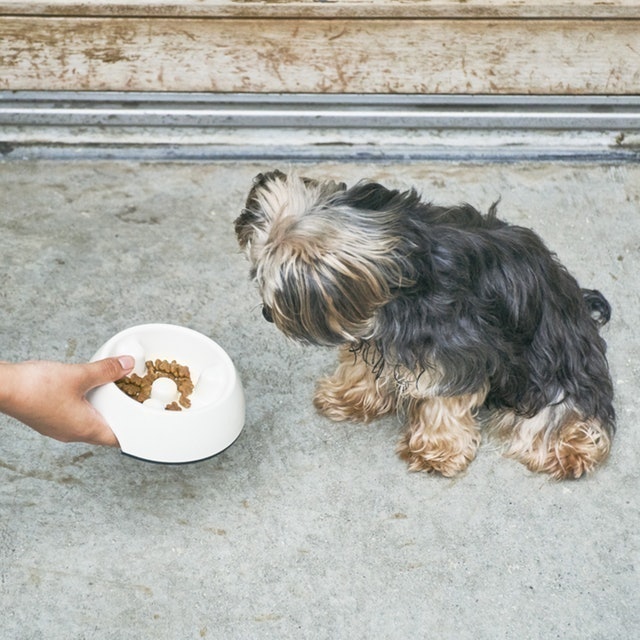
(303, 528)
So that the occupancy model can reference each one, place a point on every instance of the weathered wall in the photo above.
(401, 46)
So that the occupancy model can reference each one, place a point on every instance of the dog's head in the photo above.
(321, 254)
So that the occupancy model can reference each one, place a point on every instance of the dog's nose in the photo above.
(266, 313)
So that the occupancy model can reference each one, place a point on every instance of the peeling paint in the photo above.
(327, 56)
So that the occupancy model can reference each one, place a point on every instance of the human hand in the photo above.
(50, 397)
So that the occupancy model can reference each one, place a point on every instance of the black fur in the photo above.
(462, 298)
(490, 300)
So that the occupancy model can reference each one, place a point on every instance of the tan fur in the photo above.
(557, 441)
(354, 392)
(443, 434)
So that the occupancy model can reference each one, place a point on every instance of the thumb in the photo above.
(108, 370)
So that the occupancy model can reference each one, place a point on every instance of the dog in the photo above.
(456, 320)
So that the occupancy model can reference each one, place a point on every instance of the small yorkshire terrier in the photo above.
(441, 314)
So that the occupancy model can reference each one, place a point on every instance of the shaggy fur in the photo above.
(438, 312)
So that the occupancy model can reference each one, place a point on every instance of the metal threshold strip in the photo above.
(111, 118)
(310, 110)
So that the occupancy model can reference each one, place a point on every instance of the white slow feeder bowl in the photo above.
(212, 423)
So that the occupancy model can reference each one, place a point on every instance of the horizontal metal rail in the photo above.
(311, 111)
(350, 127)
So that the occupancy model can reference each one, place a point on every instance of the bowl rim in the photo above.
(230, 371)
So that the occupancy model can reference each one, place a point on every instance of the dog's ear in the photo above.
(324, 189)
(370, 196)
(252, 214)
(262, 178)
(244, 226)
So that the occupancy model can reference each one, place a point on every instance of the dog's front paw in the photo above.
(358, 402)
(446, 458)
(443, 435)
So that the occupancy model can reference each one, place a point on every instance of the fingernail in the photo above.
(127, 362)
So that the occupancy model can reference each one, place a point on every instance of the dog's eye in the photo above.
(266, 313)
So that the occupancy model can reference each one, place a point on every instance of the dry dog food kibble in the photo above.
(139, 388)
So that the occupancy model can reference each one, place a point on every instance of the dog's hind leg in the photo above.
(443, 435)
(558, 440)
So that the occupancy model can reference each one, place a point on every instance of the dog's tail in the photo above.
(598, 306)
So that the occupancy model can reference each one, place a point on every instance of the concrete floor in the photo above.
(303, 528)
